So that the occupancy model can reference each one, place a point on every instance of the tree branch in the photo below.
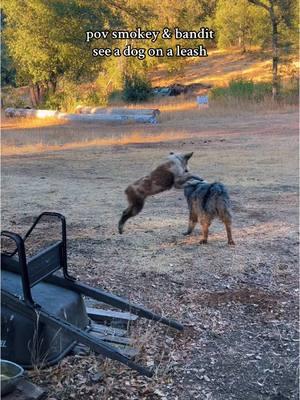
(260, 4)
(127, 10)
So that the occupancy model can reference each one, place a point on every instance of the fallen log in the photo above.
(30, 112)
(140, 116)
(109, 118)
(120, 110)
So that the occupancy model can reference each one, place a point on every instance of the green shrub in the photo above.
(69, 95)
(136, 88)
(116, 96)
(290, 91)
(54, 101)
(110, 79)
(242, 90)
(13, 97)
(66, 98)
(92, 98)
(262, 90)
(218, 93)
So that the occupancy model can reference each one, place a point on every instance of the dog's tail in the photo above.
(219, 191)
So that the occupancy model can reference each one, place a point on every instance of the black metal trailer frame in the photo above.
(42, 267)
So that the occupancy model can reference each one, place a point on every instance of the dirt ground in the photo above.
(239, 304)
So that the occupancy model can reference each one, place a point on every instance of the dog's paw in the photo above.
(231, 243)
(120, 229)
(186, 233)
(203, 241)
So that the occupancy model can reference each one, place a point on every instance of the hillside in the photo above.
(223, 65)
(217, 69)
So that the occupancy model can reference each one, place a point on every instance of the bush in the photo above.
(110, 79)
(262, 90)
(242, 90)
(70, 95)
(15, 97)
(92, 98)
(136, 88)
(66, 98)
(116, 96)
(290, 91)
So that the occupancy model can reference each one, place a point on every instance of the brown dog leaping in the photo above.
(164, 177)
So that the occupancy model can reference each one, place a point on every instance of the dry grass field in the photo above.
(239, 304)
(222, 65)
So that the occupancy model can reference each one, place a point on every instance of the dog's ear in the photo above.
(187, 156)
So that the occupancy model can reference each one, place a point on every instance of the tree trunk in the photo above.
(37, 94)
(275, 54)
(275, 44)
(33, 95)
(52, 84)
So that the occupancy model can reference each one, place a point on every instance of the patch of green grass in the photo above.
(290, 91)
(242, 89)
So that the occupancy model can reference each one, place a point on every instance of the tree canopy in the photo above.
(44, 41)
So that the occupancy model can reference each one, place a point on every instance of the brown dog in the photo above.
(163, 178)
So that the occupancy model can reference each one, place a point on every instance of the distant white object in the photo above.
(202, 101)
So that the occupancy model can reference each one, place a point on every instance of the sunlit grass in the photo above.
(180, 119)
(179, 103)
(27, 123)
(220, 67)
(180, 116)
(32, 148)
